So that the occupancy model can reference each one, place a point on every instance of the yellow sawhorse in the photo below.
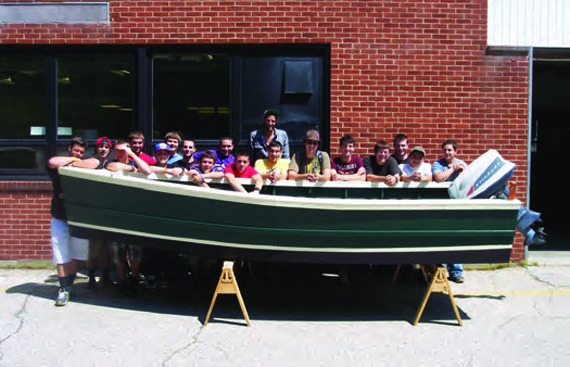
(228, 285)
(438, 283)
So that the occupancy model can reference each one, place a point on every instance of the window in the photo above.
(95, 95)
(191, 94)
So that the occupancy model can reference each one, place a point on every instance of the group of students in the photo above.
(267, 157)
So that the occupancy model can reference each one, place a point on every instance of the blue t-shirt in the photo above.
(441, 165)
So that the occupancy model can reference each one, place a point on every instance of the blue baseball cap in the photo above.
(161, 146)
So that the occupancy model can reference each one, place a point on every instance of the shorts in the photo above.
(98, 249)
(64, 247)
(119, 252)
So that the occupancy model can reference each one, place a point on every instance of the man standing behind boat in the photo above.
(67, 250)
(242, 169)
(173, 140)
(273, 168)
(447, 169)
(136, 143)
(119, 250)
(259, 140)
(380, 167)
(347, 167)
(310, 164)
(188, 149)
(400, 149)
(224, 154)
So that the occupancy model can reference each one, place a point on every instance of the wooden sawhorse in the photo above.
(438, 283)
(228, 285)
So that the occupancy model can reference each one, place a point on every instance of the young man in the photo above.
(447, 169)
(259, 140)
(347, 167)
(380, 167)
(173, 140)
(206, 169)
(162, 153)
(67, 250)
(400, 149)
(188, 149)
(242, 169)
(119, 251)
(136, 142)
(416, 170)
(273, 168)
(103, 148)
(310, 164)
(224, 154)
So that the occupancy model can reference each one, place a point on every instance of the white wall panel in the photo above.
(525, 23)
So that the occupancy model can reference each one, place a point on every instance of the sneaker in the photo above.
(62, 297)
(456, 278)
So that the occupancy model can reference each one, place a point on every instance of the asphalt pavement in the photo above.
(516, 316)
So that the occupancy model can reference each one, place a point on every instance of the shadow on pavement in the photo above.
(291, 296)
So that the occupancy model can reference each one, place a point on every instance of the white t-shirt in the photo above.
(424, 169)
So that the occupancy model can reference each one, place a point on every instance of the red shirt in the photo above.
(248, 173)
(146, 158)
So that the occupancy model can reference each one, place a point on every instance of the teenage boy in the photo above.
(206, 169)
(447, 169)
(400, 148)
(416, 169)
(188, 149)
(224, 154)
(173, 140)
(259, 140)
(67, 250)
(310, 164)
(136, 143)
(241, 169)
(162, 153)
(347, 167)
(119, 251)
(273, 168)
(380, 167)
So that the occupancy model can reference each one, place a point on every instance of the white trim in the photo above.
(288, 201)
(250, 246)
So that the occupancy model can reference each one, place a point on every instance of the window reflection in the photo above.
(191, 95)
(95, 95)
(22, 96)
(22, 157)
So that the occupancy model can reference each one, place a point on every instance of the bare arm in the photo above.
(360, 175)
(234, 183)
(197, 178)
(175, 171)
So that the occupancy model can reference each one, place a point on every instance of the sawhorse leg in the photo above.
(438, 283)
(228, 285)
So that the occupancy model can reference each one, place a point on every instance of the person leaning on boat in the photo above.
(347, 167)
(310, 164)
(162, 153)
(206, 168)
(447, 169)
(380, 167)
(273, 168)
(136, 143)
(259, 140)
(241, 169)
(416, 169)
(66, 250)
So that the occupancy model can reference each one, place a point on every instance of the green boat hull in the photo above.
(324, 229)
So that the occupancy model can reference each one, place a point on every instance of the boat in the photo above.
(290, 221)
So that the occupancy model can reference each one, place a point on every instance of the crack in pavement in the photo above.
(538, 279)
(192, 342)
(19, 315)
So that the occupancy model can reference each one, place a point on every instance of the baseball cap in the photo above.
(271, 112)
(419, 149)
(161, 146)
(312, 135)
(104, 140)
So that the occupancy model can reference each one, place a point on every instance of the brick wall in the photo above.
(412, 66)
(25, 220)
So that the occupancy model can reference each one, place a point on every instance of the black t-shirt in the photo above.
(57, 209)
(186, 165)
(388, 168)
(401, 161)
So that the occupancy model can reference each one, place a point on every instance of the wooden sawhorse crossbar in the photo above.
(228, 285)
